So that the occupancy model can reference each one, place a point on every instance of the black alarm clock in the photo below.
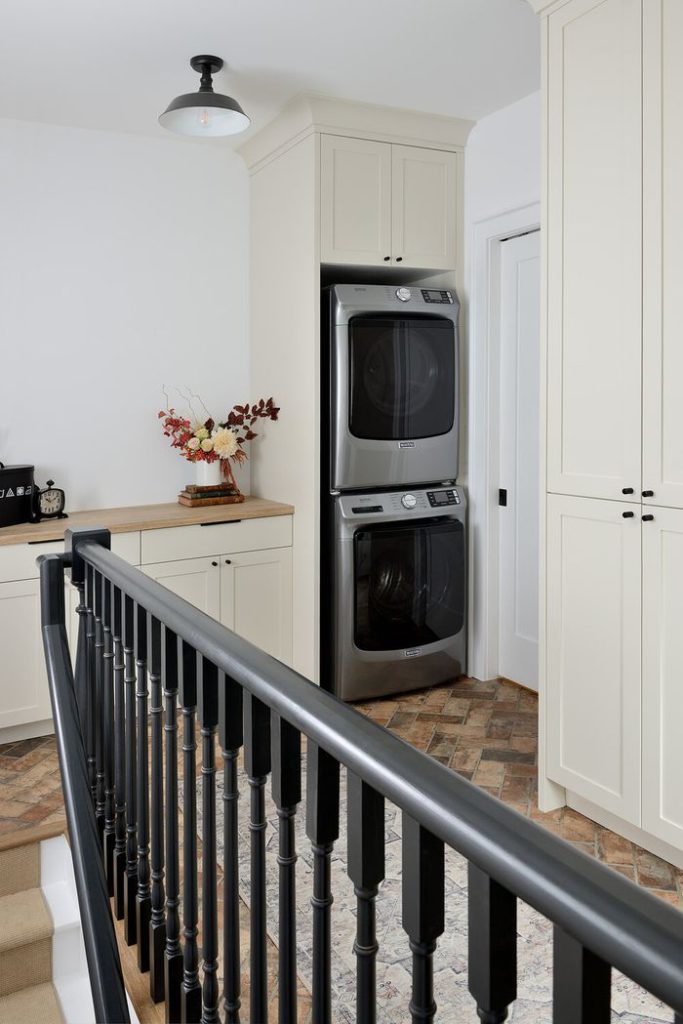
(49, 503)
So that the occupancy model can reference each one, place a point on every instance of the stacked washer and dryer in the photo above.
(394, 552)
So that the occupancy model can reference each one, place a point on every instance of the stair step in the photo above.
(37, 1004)
(19, 869)
(25, 941)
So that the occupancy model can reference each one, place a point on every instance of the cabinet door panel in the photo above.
(424, 202)
(594, 238)
(355, 195)
(24, 693)
(256, 599)
(662, 675)
(197, 580)
(663, 256)
(593, 651)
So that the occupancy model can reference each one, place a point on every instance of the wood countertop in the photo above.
(143, 517)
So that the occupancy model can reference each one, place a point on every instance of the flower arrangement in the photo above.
(205, 440)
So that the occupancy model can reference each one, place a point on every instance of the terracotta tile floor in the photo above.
(486, 731)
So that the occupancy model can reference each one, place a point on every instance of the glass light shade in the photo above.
(208, 114)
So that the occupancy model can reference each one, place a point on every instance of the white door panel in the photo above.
(519, 459)
(424, 203)
(663, 255)
(593, 651)
(594, 249)
(355, 197)
(256, 599)
(663, 675)
(197, 580)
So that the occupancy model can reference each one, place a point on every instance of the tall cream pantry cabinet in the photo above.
(612, 544)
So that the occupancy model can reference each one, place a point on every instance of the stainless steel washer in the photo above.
(398, 608)
(393, 385)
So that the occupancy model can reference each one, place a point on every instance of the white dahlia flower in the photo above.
(224, 442)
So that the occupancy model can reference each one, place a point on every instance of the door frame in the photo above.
(483, 454)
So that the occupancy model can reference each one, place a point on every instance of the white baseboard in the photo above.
(16, 733)
(626, 829)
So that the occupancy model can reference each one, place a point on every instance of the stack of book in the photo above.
(215, 494)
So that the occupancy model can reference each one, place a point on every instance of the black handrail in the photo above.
(104, 965)
(610, 916)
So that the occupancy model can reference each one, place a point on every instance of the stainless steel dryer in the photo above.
(398, 608)
(393, 409)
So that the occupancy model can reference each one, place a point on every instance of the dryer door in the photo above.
(409, 582)
(402, 377)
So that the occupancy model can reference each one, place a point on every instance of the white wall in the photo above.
(503, 161)
(123, 266)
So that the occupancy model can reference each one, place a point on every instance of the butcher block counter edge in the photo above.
(143, 517)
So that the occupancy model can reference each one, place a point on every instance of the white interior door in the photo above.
(519, 459)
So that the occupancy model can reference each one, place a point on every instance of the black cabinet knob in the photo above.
(648, 494)
(214, 563)
(627, 490)
(387, 258)
(628, 515)
(399, 259)
(648, 518)
(228, 562)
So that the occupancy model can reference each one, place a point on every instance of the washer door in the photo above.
(409, 582)
(402, 383)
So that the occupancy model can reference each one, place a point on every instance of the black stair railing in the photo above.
(145, 657)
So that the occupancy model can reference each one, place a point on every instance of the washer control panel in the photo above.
(400, 504)
(439, 499)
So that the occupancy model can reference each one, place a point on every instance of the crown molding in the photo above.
(313, 113)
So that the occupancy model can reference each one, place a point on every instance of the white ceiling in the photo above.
(115, 64)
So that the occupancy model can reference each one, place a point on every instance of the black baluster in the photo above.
(173, 957)
(90, 678)
(108, 733)
(423, 910)
(231, 737)
(257, 766)
(322, 828)
(119, 868)
(89, 684)
(286, 761)
(191, 993)
(492, 938)
(99, 705)
(131, 877)
(143, 903)
(366, 871)
(157, 924)
(581, 983)
(81, 664)
(208, 720)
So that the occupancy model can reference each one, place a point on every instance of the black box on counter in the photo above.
(16, 494)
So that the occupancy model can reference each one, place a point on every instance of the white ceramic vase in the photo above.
(208, 474)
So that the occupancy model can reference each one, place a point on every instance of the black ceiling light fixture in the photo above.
(204, 113)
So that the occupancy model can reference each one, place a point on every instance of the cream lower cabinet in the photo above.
(663, 675)
(593, 651)
(196, 580)
(24, 694)
(256, 599)
(249, 592)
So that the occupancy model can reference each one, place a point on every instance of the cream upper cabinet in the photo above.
(663, 253)
(424, 201)
(662, 675)
(594, 257)
(593, 651)
(355, 185)
(256, 599)
(196, 580)
(387, 205)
